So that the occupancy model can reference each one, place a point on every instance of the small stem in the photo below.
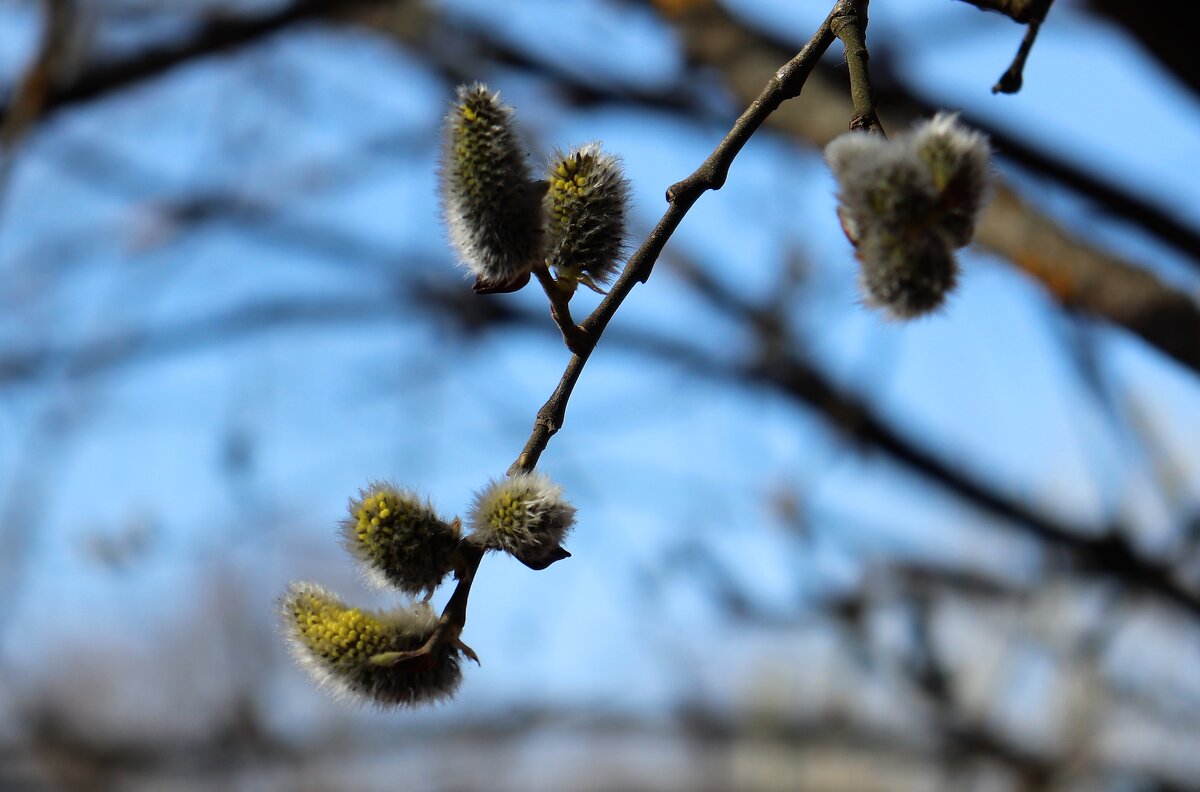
(560, 308)
(550, 418)
(454, 616)
(850, 25)
(33, 89)
(1010, 82)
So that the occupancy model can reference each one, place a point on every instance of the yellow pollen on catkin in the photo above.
(378, 514)
(506, 517)
(336, 633)
(399, 540)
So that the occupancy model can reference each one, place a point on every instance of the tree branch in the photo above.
(220, 34)
(786, 83)
(850, 25)
(1107, 550)
(560, 308)
(59, 32)
(1010, 82)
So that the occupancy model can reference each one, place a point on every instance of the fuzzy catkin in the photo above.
(958, 160)
(399, 540)
(880, 184)
(906, 276)
(525, 515)
(335, 644)
(585, 207)
(906, 205)
(490, 203)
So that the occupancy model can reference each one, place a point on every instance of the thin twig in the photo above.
(451, 623)
(785, 84)
(59, 33)
(220, 34)
(560, 308)
(850, 25)
(1010, 82)
(1028, 12)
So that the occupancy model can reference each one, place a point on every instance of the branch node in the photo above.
(559, 293)
(1014, 77)
(849, 23)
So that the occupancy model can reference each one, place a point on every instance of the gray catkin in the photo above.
(335, 644)
(585, 207)
(490, 203)
(907, 204)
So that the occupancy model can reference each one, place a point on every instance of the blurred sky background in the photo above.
(188, 396)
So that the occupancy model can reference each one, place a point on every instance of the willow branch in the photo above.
(850, 25)
(785, 84)
(1028, 12)
(711, 175)
(221, 34)
(1010, 82)
(560, 308)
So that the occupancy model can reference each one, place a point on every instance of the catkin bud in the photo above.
(880, 184)
(958, 162)
(336, 645)
(906, 276)
(491, 206)
(585, 214)
(525, 515)
(399, 539)
(907, 204)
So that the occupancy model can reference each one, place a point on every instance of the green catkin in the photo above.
(525, 515)
(399, 539)
(958, 160)
(336, 645)
(585, 208)
(490, 203)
